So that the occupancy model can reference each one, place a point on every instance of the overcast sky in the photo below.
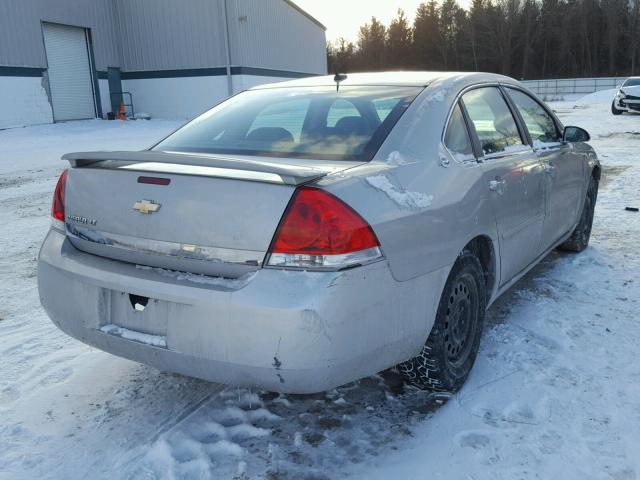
(343, 18)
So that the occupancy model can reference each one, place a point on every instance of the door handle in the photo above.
(497, 186)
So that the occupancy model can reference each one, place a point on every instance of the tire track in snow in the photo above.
(168, 425)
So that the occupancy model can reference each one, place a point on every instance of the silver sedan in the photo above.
(305, 234)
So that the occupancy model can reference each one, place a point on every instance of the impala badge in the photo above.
(146, 206)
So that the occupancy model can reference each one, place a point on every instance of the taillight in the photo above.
(57, 207)
(318, 230)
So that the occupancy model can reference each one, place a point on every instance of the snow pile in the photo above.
(403, 198)
(276, 436)
(602, 96)
(230, 283)
(397, 158)
(118, 331)
(41, 146)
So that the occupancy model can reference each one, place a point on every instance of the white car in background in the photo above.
(627, 98)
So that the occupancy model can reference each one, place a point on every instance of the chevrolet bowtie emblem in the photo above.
(146, 206)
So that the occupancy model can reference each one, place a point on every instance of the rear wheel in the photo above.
(614, 110)
(450, 351)
(579, 239)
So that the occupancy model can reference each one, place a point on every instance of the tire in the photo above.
(579, 239)
(614, 110)
(451, 348)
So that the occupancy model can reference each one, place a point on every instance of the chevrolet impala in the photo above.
(305, 234)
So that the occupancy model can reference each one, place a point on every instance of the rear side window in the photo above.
(324, 123)
(456, 137)
(492, 120)
(383, 107)
(540, 124)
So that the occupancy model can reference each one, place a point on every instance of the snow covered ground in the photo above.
(555, 392)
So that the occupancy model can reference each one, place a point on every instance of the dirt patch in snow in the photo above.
(610, 171)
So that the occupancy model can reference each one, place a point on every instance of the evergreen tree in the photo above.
(398, 42)
(372, 41)
(522, 38)
(426, 37)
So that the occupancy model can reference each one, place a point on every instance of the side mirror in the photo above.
(575, 134)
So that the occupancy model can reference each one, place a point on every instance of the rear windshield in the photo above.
(306, 122)
(632, 82)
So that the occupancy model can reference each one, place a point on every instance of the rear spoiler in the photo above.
(283, 172)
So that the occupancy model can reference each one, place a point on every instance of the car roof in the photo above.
(417, 79)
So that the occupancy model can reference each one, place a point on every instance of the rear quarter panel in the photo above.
(424, 205)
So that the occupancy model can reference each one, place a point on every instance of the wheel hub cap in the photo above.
(459, 322)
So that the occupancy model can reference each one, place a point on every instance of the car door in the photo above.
(563, 167)
(515, 178)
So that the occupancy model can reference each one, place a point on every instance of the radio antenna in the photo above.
(339, 77)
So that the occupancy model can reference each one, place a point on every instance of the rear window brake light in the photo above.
(154, 180)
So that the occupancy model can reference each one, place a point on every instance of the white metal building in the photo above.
(70, 59)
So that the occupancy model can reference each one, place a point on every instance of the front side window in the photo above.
(305, 122)
(492, 120)
(540, 124)
(456, 137)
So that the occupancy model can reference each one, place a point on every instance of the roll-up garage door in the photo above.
(69, 72)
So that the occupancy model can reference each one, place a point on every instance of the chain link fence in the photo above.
(570, 86)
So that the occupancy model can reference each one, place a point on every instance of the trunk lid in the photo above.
(207, 214)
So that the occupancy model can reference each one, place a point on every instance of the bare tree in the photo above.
(634, 33)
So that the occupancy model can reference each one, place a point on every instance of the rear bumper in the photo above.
(288, 331)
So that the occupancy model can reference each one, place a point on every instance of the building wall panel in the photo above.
(165, 35)
(184, 97)
(245, 82)
(105, 97)
(21, 42)
(273, 34)
(24, 102)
